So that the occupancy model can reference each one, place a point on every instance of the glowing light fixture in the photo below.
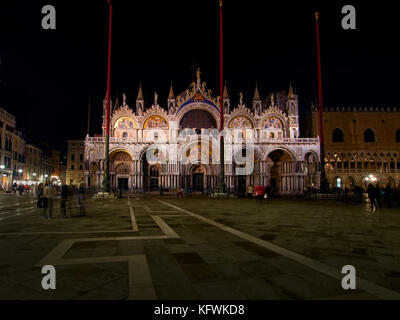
(370, 178)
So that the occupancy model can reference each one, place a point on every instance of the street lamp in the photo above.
(20, 170)
(370, 178)
(2, 166)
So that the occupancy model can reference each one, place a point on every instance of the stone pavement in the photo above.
(197, 248)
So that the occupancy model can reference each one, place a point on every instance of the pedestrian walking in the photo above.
(81, 198)
(268, 192)
(371, 190)
(21, 189)
(389, 196)
(260, 192)
(378, 195)
(39, 195)
(250, 191)
(73, 198)
(48, 196)
(64, 200)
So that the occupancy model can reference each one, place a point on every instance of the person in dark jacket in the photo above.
(81, 199)
(260, 193)
(372, 196)
(39, 195)
(64, 200)
(378, 195)
(388, 195)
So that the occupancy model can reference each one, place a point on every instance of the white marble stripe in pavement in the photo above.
(18, 210)
(70, 262)
(59, 251)
(165, 227)
(62, 232)
(133, 219)
(17, 204)
(365, 285)
(140, 282)
(18, 214)
(55, 255)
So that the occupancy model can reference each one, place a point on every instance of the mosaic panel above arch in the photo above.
(272, 123)
(155, 121)
(240, 122)
(125, 123)
(120, 155)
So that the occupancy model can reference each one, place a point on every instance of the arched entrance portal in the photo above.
(151, 170)
(154, 174)
(120, 167)
(311, 171)
(246, 170)
(283, 169)
(390, 182)
(198, 177)
(350, 184)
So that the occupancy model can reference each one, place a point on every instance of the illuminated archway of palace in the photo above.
(177, 146)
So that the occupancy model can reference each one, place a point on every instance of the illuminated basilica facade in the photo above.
(187, 124)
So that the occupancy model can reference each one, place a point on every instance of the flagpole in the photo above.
(88, 121)
(107, 142)
(221, 184)
(323, 184)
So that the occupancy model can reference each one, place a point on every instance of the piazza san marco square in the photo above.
(147, 245)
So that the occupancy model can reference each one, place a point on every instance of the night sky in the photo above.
(47, 75)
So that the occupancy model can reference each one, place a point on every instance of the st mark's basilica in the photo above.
(267, 130)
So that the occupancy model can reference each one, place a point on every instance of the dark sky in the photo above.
(47, 75)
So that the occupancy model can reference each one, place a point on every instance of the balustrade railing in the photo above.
(180, 139)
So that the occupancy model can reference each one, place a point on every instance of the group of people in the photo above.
(68, 197)
(378, 196)
(21, 188)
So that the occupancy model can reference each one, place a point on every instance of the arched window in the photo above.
(398, 136)
(337, 135)
(369, 135)
(125, 135)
